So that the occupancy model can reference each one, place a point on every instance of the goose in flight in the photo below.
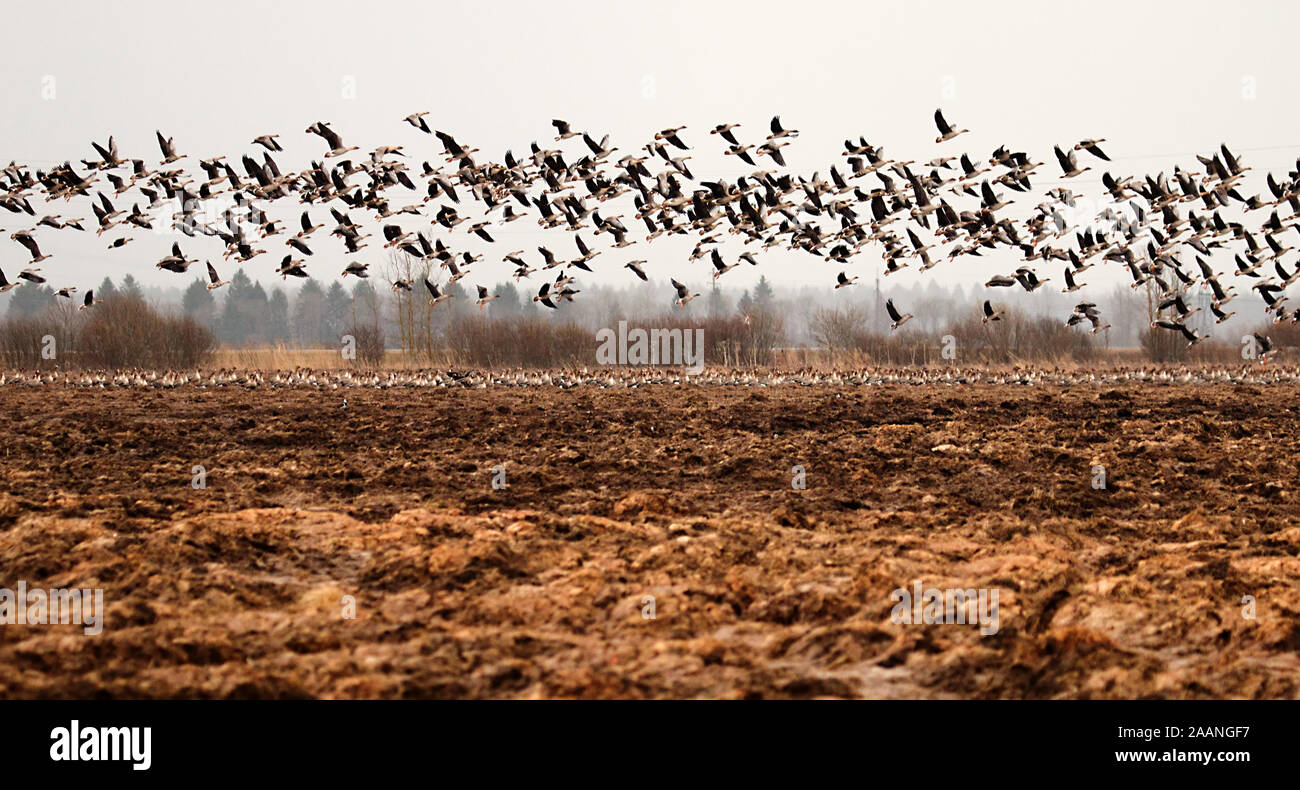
(1087, 311)
(946, 131)
(563, 128)
(484, 298)
(168, 146)
(24, 238)
(356, 269)
(416, 119)
(1219, 315)
(544, 296)
(720, 268)
(724, 129)
(1191, 336)
(683, 294)
(268, 142)
(110, 155)
(779, 131)
(635, 266)
(89, 302)
(843, 280)
(214, 279)
(176, 261)
(436, 295)
(1028, 280)
(1069, 163)
(1091, 147)
(332, 139)
(401, 285)
(307, 227)
(1263, 345)
(671, 136)
(66, 293)
(291, 267)
(31, 276)
(898, 318)
(740, 151)
(1179, 305)
(5, 285)
(1070, 285)
(990, 314)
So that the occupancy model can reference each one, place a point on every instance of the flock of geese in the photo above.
(912, 214)
(632, 378)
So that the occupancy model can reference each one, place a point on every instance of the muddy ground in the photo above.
(682, 493)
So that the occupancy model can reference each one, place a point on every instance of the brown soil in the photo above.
(682, 493)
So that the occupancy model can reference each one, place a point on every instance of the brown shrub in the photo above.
(125, 332)
(1015, 338)
(22, 339)
(370, 345)
(526, 342)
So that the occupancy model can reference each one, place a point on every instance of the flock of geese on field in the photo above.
(912, 214)
(629, 378)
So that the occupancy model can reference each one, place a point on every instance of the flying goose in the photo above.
(720, 268)
(946, 131)
(416, 119)
(544, 296)
(268, 142)
(724, 129)
(1191, 336)
(483, 297)
(778, 131)
(563, 128)
(1219, 315)
(635, 266)
(1264, 345)
(437, 296)
(214, 280)
(898, 318)
(331, 138)
(990, 314)
(1070, 285)
(683, 294)
(843, 280)
(168, 146)
(1069, 163)
(1028, 280)
(1091, 147)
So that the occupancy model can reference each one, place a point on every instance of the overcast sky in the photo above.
(1159, 81)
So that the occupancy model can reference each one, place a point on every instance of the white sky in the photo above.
(1159, 81)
